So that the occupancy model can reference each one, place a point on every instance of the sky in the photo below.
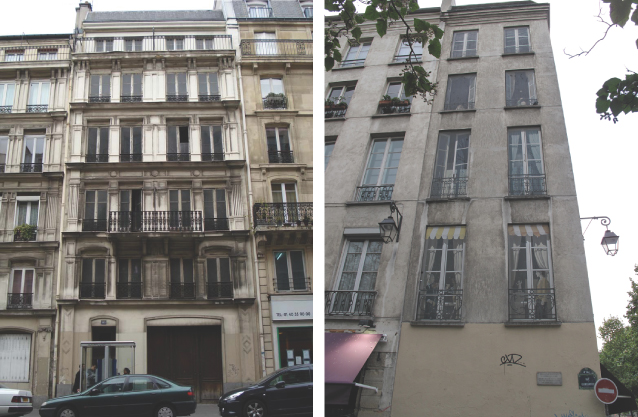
(603, 153)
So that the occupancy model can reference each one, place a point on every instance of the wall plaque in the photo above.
(587, 379)
(549, 378)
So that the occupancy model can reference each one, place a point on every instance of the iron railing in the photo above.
(180, 157)
(17, 237)
(216, 223)
(521, 102)
(92, 290)
(131, 157)
(155, 221)
(533, 304)
(209, 97)
(217, 156)
(372, 193)
(176, 97)
(352, 63)
(280, 157)
(19, 301)
(220, 290)
(406, 58)
(94, 225)
(439, 305)
(260, 13)
(37, 108)
(34, 53)
(350, 303)
(466, 105)
(37, 167)
(292, 283)
(97, 157)
(128, 290)
(527, 185)
(274, 103)
(5, 109)
(151, 43)
(182, 290)
(131, 99)
(276, 47)
(389, 109)
(282, 214)
(335, 112)
(449, 187)
(99, 99)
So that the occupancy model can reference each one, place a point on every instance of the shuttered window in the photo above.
(15, 351)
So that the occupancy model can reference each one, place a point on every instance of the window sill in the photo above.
(458, 111)
(346, 318)
(521, 107)
(419, 62)
(377, 115)
(445, 200)
(333, 118)
(519, 54)
(435, 323)
(536, 323)
(527, 197)
(347, 68)
(463, 58)
(365, 203)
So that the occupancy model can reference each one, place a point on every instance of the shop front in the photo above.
(292, 328)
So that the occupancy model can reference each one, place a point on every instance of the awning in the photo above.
(528, 230)
(621, 405)
(346, 353)
(445, 232)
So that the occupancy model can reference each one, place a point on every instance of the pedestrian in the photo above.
(76, 383)
(90, 376)
(127, 371)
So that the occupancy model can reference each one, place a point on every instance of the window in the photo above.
(464, 44)
(129, 280)
(259, 10)
(307, 12)
(176, 87)
(404, 54)
(14, 55)
(440, 289)
(112, 386)
(204, 43)
(212, 143)
(330, 145)
(180, 216)
(131, 88)
(27, 210)
(461, 92)
(15, 360)
(526, 162)
(174, 44)
(93, 276)
(100, 88)
(140, 384)
(33, 153)
(182, 278)
(517, 40)
(21, 288)
(398, 102)
(130, 218)
(338, 101)
(131, 144)
(354, 293)
(215, 217)
(265, 42)
(520, 88)
(290, 270)
(293, 377)
(272, 93)
(218, 276)
(531, 293)
(4, 146)
(103, 45)
(356, 55)
(278, 144)
(178, 146)
(95, 218)
(133, 44)
(285, 202)
(208, 87)
(47, 54)
(97, 149)
(450, 170)
(38, 97)
(7, 91)
(381, 170)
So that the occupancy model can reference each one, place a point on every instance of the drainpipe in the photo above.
(251, 221)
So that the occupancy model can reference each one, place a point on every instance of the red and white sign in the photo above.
(606, 390)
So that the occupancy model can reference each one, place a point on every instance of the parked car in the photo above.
(125, 395)
(286, 391)
(15, 402)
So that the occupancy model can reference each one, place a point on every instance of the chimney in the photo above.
(446, 5)
(80, 14)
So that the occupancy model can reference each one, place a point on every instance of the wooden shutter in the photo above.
(15, 352)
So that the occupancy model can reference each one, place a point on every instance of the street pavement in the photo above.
(203, 410)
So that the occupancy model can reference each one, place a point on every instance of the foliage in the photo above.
(25, 232)
(384, 13)
(337, 101)
(386, 98)
(277, 95)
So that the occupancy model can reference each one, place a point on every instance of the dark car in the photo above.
(125, 395)
(287, 391)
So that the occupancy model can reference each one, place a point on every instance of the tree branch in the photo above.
(585, 53)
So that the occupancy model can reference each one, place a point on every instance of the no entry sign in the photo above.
(606, 390)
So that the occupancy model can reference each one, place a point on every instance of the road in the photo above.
(203, 410)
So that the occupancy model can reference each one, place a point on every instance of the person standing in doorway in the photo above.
(90, 376)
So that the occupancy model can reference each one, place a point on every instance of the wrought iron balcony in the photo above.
(260, 13)
(350, 303)
(439, 305)
(209, 97)
(280, 157)
(155, 221)
(92, 290)
(37, 108)
(99, 99)
(176, 97)
(274, 103)
(406, 58)
(19, 301)
(97, 157)
(182, 290)
(276, 47)
(131, 157)
(31, 167)
(94, 225)
(219, 156)
(131, 99)
(528, 185)
(335, 112)
(449, 187)
(17, 237)
(372, 193)
(292, 283)
(389, 109)
(535, 304)
(220, 290)
(520, 102)
(128, 290)
(466, 105)
(352, 63)
(217, 223)
(34, 53)
(149, 43)
(181, 157)
(282, 214)
(5, 109)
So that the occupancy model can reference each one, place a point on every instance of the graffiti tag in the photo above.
(512, 359)
(571, 413)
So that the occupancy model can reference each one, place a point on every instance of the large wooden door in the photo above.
(189, 355)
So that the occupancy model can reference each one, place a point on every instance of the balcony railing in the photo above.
(94, 225)
(180, 157)
(99, 99)
(92, 290)
(131, 157)
(209, 97)
(335, 112)
(149, 43)
(5, 109)
(131, 99)
(17, 237)
(216, 223)
(528, 185)
(31, 167)
(210, 157)
(381, 193)
(534, 304)
(176, 97)
(19, 301)
(521, 102)
(37, 108)
(260, 13)
(220, 290)
(280, 157)
(274, 103)
(350, 303)
(352, 63)
(439, 305)
(276, 47)
(282, 214)
(97, 157)
(394, 109)
(466, 105)
(449, 187)
(155, 221)
(34, 53)
(406, 58)
(128, 290)
(182, 290)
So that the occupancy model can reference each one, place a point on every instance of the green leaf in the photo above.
(602, 105)
(382, 27)
(393, 14)
(421, 25)
(616, 106)
(330, 62)
(371, 13)
(332, 6)
(612, 84)
(414, 6)
(337, 55)
(420, 70)
(634, 16)
(356, 33)
(603, 92)
(359, 18)
(619, 11)
(434, 48)
(349, 7)
(438, 32)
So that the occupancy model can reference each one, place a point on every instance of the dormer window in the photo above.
(259, 9)
(306, 7)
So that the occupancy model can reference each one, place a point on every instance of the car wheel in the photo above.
(67, 412)
(165, 411)
(255, 408)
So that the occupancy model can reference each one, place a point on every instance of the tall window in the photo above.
(14, 55)
(131, 88)
(129, 279)
(38, 96)
(47, 54)
(133, 44)
(461, 92)
(272, 93)
(284, 197)
(27, 208)
(259, 10)
(381, 170)
(278, 144)
(182, 278)
(129, 219)
(131, 144)
(208, 87)
(103, 44)
(517, 40)
(21, 288)
(15, 360)
(178, 145)
(520, 88)
(176, 89)
(338, 101)
(212, 143)
(531, 294)
(290, 270)
(97, 149)
(404, 54)
(215, 216)
(330, 145)
(440, 289)
(526, 162)
(100, 88)
(399, 103)
(356, 55)
(464, 44)
(450, 170)
(265, 42)
(7, 91)
(93, 278)
(218, 276)
(95, 213)
(175, 44)
(4, 146)
(180, 216)
(204, 43)
(33, 153)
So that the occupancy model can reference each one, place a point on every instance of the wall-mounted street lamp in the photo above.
(389, 228)
(610, 239)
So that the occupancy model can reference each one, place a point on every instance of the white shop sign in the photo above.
(291, 310)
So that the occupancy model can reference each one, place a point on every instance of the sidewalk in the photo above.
(203, 410)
